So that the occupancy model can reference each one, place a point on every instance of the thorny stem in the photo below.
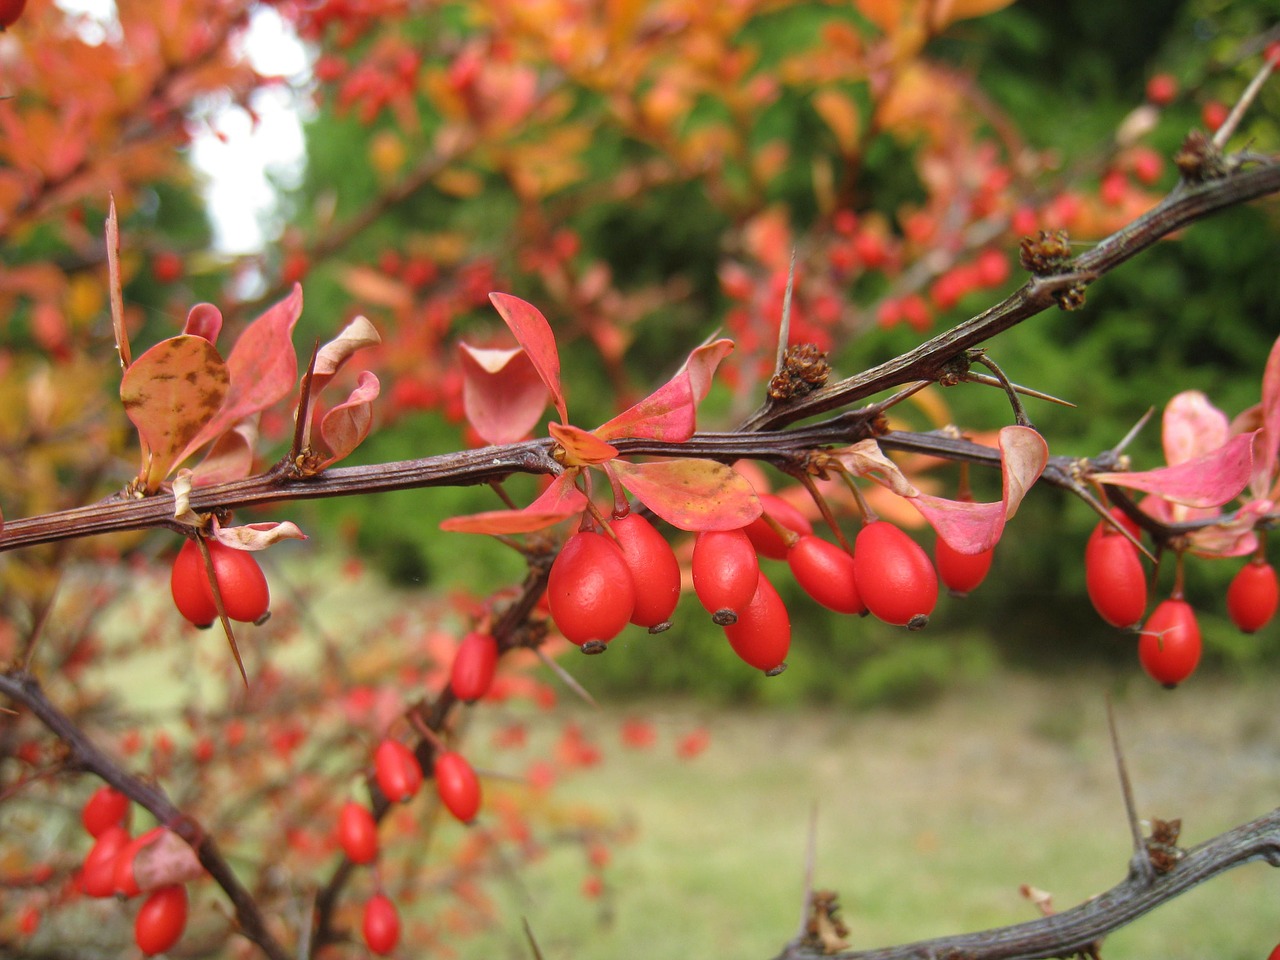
(23, 688)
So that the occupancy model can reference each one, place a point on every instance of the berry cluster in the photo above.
(399, 776)
(109, 871)
(1169, 643)
(628, 573)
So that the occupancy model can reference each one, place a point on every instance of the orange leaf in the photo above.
(534, 334)
(691, 494)
(560, 500)
(581, 447)
(170, 393)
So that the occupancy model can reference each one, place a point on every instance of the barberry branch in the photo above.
(23, 688)
(1076, 930)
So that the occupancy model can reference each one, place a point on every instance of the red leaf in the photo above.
(230, 457)
(1268, 448)
(691, 494)
(670, 412)
(204, 320)
(502, 393)
(581, 447)
(1192, 427)
(170, 393)
(534, 334)
(346, 425)
(263, 368)
(969, 527)
(1207, 481)
(560, 500)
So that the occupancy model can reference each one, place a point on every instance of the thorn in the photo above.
(1140, 864)
(528, 934)
(1128, 438)
(1019, 412)
(810, 860)
(1105, 515)
(302, 417)
(222, 610)
(1025, 391)
(569, 680)
(784, 327)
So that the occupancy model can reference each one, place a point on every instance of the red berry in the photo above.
(725, 572)
(10, 11)
(396, 770)
(28, 920)
(357, 833)
(764, 538)
(961, 572)
(1161, 89)
(107, 807)
(1114, 578)
(243, 586)
(762, 634)
(122, 877)
(590, 591)
(189, 585)
(458, 785)
(161, 919)
(1169, 646)
(1213, 115)
(473, 666)
(1271, 53)
(895, 578)
(826, 573)
(166, 266)
(97, 876)
(1275, 954)
(1253, 596)
(381, 924)
(654, 570)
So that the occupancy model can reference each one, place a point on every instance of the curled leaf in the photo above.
(502, 393)
(670, 412)
(690, 493)
(171, 393)
(164, 861)
(534, 334)
(230, 457)
(256, 536)
(356, 335)
(1191, 427)
(560, 500)
(204, 320)
(581, 447)
(866, 459)
(971, 528)
(1209, 480)
(346, 425)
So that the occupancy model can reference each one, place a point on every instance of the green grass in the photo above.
(928, 823)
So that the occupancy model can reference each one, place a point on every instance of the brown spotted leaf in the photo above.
(170, 393)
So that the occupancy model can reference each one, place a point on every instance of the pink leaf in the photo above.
(164, 861)
(691, 494)
(1192, 426)
(263, 368)
(346, 425)
(331, 358)
(866, 459)
(502, 393)
(257, 536)
(670, 412)
(230, 457)
(1268, 449)
(170, 393)
(1207, 481)
(204, 320)
(534, 334)
(581, 447)
(560, 500)
(969, 527)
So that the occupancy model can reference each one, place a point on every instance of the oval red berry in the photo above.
(458, 785)
(357, 833)
(826, 573)
(1169, 647)
(590, 591)
(108, 807)
(381, 926)
(895, 578)
(762, 634)
(1253, 596)
(397, 771)
(161, 919)
(725, 572)
(473, 666)
(961, 572)
(1114, 577)
(764, 537)
(654, 569)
